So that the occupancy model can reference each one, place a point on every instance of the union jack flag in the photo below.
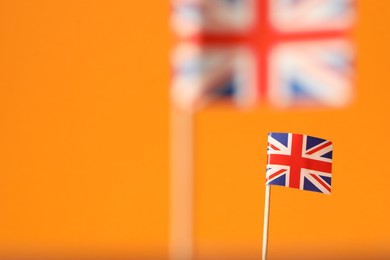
(299, 161)
(303, 54)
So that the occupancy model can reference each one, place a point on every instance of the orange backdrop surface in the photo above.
(84, 148)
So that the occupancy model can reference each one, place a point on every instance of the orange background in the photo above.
(84, 149)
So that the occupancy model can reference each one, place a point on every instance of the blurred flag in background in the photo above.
(294, 53)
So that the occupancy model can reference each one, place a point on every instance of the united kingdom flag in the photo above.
(304, 57)
(299, 161)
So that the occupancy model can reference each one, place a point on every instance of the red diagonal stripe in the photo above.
(319, 147)
(273, 146)
(274, 174)
(323, 183)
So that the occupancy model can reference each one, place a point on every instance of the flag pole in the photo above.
(266, 217)
(181, 184)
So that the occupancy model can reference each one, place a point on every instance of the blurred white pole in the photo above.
(181, 180)
(266, 217)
